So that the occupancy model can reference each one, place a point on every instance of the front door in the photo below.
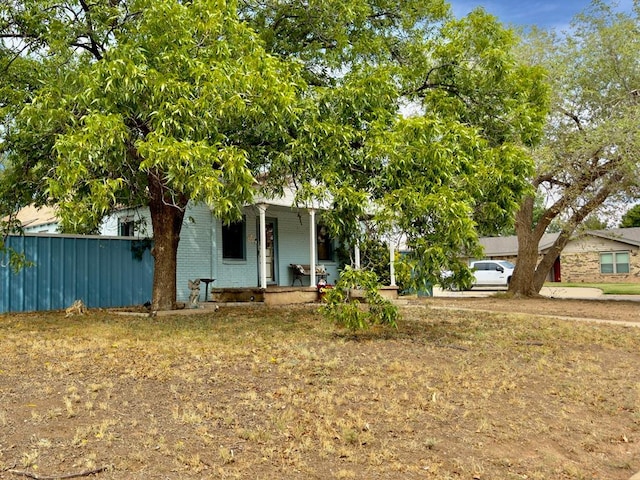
(271, 250)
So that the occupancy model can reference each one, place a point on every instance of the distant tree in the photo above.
(591, 151)
(594, 222)
(631, 218)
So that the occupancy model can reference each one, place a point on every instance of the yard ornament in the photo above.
(194, 286)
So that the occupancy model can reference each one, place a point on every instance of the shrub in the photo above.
(348, 312)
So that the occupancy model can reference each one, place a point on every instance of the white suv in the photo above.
(492, 273)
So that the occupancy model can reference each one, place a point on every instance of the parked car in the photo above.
(492, 273)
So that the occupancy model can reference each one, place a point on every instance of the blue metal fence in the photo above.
(102, 272)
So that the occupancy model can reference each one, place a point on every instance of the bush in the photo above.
(348, 312)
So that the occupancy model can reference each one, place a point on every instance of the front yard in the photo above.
(268, 393)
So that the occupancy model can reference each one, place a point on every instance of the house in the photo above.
(124, 223)
(593, 256)
(233, 256)
(38, 219)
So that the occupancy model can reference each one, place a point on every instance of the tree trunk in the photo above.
(523, 281)
(167, 214)
(529, 275)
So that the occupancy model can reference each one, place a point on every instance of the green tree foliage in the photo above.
(592, 145)
(139, 102)
(631, 218)
(348, 312)
(144, 103)
(456, 161)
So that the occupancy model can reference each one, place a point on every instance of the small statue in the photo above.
(76, 308)
(194, 297)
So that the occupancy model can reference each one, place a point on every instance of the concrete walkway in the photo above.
(582, 293)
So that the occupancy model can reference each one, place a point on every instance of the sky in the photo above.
(556, 14)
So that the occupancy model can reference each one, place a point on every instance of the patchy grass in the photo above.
(607, 288)
(279, 393)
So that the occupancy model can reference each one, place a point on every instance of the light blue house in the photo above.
(234, 255)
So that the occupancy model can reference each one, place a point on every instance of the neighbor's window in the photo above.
(324, 243)
(125, 227)
(233, 244)
(615, 262)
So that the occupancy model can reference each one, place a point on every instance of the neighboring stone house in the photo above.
(594, 256)
(603, 256)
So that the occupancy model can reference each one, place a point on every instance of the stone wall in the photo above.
(585, 268)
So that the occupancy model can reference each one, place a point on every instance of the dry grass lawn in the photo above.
(267, 393)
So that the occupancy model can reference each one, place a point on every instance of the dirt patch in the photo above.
(280, 393)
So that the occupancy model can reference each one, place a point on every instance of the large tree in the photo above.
(143, 103)
(591, 151)
(162, 103)
(454, 160)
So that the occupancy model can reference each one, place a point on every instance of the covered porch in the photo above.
(314, 267)
(275, 295)
(258, 258)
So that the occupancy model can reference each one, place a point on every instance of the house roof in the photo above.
(288, 199)
(31, 216)
(630, 236)
(494, 246)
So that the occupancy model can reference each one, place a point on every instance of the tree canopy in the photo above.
(137, 102)
(631, 218)
(591, 146)
(455, 160)
(144, 103)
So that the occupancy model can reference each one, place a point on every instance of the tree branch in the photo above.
(94, 48)
(573, 117)
(86, 473)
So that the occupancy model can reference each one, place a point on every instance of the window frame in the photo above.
(238, 237)
(614, 264)
(128, 224)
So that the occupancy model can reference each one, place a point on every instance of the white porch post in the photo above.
(262, 209)
(392, 263)
(356, 255)
(312, 246)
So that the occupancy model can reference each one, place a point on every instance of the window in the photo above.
(324, 243)
(125, 227)
(614, 262)
(233, 244)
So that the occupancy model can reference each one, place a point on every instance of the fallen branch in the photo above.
(86, 473)
(531, 344)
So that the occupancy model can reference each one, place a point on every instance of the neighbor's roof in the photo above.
(31, 216)
(495, 246)
(630, 236)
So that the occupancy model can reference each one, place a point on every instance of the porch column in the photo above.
(392, 264)
(356, 256)
(312, 246)
(262, 209)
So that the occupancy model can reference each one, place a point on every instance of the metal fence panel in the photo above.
(102, 272)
